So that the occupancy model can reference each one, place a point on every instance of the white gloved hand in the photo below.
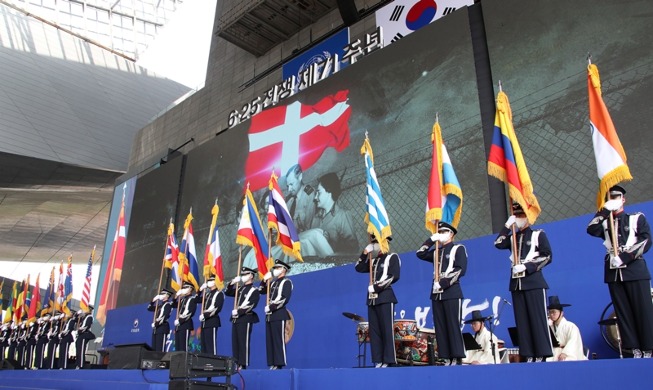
(235, 280)
(203, 286)
(369, 248)
(267, 276)
(518, 268)
(179, 292)
(79, 312)
(202, 317)
(615, 261)
(153, 325)
(436, 286)
(435, 237)
(510, 221)
(370, 288)
(267, 309)
(613, 204)
(234, 313)
(176, 322)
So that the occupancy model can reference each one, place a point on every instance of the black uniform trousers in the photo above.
(20, 352)
(240, 336)
(51, 348)
(39, 353)
(209, 340)
(159, 339)
(181, 339)
(64, 347)
(382, 339)
(275, 342)
(80, 347)
(446, 317)
(29, 353)
(11, 351)
(634, 309)
(531, 321)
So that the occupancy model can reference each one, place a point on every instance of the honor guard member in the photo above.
(5, 333)
(53, 339)
(21, 342)
(185, 312)
(84, 334)
(30, 346)
(210, 319)
(381, 299)
(300, 198)
(566, 332)
(446, 293)
(488, 354)
(243, 316)
(527, 284)
(42, 341)
(13, 335)
(626, 272)
(276, 313)
(66, 337)
(161, 305)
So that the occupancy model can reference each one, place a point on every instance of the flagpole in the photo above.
(515, 250)
(267, 295)
(208, 243)
(436, 258)
(240, 262)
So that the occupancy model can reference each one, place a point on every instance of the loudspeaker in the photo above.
(127, 356)
(154, 360)
(348, 12)
(10, 364)
(192, 365)
(185, 384)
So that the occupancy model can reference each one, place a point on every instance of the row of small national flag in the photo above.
(26, 301)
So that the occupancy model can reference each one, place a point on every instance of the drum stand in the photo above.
(362, 354)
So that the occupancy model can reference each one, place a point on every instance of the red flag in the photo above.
(295, 134)
(251, 233)
(280, 220)
(35, 304)
(113, 274)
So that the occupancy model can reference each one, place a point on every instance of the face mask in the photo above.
(211, 284)
(521, 222)
(276, 272)
(445, 237)
(246, 278)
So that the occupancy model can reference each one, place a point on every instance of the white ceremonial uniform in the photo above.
(483, 355)
(571, 344)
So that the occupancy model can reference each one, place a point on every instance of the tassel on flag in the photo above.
(376, 216)
(506, 162)
(213, 254)
(280, 220)
(444, 201)
(251, 233)
(611, 162)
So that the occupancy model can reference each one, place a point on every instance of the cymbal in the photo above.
(353, 316)
(608, 321)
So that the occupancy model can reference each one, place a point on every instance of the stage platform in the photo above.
(596, 374)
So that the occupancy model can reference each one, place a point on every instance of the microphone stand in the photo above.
(490, 328)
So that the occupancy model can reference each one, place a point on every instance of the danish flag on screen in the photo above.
(295, 134)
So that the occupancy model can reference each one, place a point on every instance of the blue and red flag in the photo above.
(187, 254)
(280, 220)
(251, 233)
(506, 162)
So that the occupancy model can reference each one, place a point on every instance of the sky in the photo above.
(181, 51)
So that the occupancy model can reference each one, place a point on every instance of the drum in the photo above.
(405, 330)
(363, 332)
(416, 352)
(513, 355)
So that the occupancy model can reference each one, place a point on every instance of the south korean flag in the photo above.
(402, 17)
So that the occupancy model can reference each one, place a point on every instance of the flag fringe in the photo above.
(431, 216)
(615, 176)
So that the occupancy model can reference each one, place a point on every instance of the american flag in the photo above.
(86, 292)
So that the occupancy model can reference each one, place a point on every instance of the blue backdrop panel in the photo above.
(324, 338)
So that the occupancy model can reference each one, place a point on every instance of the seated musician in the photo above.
(566, 332)
(488, 354)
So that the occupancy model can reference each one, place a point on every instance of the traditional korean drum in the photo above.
(405, 330)
(363, 332)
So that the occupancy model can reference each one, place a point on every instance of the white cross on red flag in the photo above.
(295, 134)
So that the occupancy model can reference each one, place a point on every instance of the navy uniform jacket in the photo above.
(68, 327)
(161, 324)
(280, 292)
(634, 237)
(535, 254)
(248, 297)
(187, 309)
(213, 302)
(4, 335)
(451, 270)
(386, 270)
(84, 330)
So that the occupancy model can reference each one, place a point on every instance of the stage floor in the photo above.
(595, 374)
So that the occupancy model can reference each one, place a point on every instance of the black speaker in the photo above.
(192, 365)
(10, 364)
(348, 12)
(127, 356)
(154, 360)
(185, 384)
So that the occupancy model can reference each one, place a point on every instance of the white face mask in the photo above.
(445, 237)
(276, 272)
(211, 284)
(246, 278)
(521, 222)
